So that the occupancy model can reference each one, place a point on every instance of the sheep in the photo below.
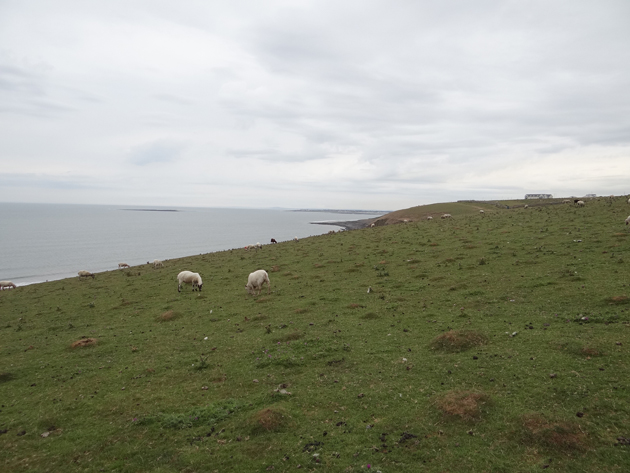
(191, 278)
(580, 203)
(10, 285)
(273, 240)
(122, 265)
(295, 239)
(372, 225)
(566, 201)
(526, 206)
(256, 280)
(628, 221)
(446, 216)
(157, 264)
(481, 212)
(429, 218)
(258, 245)
(629, 201)
(86, 274)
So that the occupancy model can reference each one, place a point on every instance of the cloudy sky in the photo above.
(337, 104)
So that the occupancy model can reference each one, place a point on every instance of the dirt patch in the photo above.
(619, 300)
(458, 340)
(466, 405)
(557, 435)
(84, 342)
(300, 311)
(355, 306)
(166, 316)
(275, 269)
(260, 300)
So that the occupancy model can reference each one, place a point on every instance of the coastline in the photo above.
(349, 225)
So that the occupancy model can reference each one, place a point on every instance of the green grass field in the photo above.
(494, 343)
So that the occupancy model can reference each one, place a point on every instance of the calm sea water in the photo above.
(40, 242)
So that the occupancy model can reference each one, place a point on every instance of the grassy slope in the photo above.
(339, 351)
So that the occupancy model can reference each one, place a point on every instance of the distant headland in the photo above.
(152, 210)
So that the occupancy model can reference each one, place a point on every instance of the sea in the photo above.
(45, 242)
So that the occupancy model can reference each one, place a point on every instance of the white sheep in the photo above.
(122, 265)
(628, 221)
(481, 212)
(372, 225)
(256, 280)
(7, 285)
(86, 274)
(580, 203)
(188, 277)
(258, 245)
(157, 264)
(295, 239)
(629, 201)
(446, 216)
(429, 218)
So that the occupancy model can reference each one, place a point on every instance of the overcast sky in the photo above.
(337, 104)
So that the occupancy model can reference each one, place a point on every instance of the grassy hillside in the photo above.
(487, 343)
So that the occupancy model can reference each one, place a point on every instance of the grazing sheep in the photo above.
(258, 245)
(273, 240)
(580, 203)
(372, 225)
(481, 212)
(256, 280)
(628, 221)
(86, 274)
(122, 265)
(446, 216)
(429, 218)
(526, 206)
(295, 239)
(188, 277)
(157, 264)
(10, 285)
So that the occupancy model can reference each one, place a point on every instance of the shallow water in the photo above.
(40, 242)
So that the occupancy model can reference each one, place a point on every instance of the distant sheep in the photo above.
(188, 277)
(256, 280)
(258, 245)
(629, 201)
(526, 206)
(157, 264)
(85, 274)
(446, 216)
(372, 225)
(628, 221)
(481, 212)
(566, 201)
(273, 240)
(295, 239)
(580, 203)
(122, 265)
(429, 218)
(10, 285)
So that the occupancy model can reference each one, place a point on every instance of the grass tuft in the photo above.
(466, 405)
(458, 340)
(562, 436)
